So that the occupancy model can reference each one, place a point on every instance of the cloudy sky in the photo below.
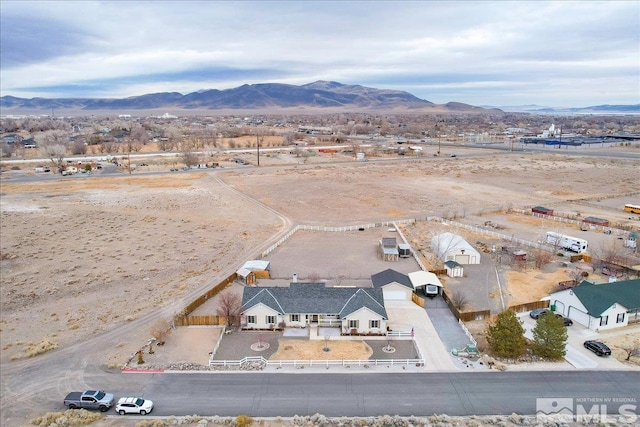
(565, 53)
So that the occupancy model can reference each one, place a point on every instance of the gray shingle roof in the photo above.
(315, 298)
(598, 298)
(389, 276)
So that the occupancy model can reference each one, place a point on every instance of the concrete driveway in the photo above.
(577, 355)
(404, 315)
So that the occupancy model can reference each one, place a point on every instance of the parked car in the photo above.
(538, 312)
(133, 405)
(89, 399)
(566, 320)
(598, 348)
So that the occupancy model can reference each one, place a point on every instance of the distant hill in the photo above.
(317, 95)
(595, 109)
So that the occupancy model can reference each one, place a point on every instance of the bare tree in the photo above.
(289, 138)
(139, 134)
(458, 299)
(314, 277)
(229, 306)
(541, 258)
(189, 156)
(632, 349)
(53, 144)
(79, 147)
(160, 330)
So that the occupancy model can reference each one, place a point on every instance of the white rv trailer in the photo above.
(566, 242)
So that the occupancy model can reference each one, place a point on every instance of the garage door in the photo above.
(462, 259)
(394, 295)
(578, 315)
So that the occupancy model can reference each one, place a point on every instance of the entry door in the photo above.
(314, 318)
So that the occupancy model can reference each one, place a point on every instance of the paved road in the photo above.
(271, 395)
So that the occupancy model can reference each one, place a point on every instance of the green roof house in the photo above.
(600, 307)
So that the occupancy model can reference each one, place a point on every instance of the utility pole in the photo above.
(258, 146)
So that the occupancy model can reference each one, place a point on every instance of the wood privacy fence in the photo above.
(466, 316)
(521, 308)
(185, 319)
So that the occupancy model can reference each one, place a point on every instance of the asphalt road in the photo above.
(271, 395)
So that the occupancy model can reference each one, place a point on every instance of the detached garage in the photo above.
(395, 286)
(451, 247)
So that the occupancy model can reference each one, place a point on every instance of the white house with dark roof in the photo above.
(353, 310)
(600, 307)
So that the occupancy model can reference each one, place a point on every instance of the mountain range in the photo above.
(594, 109)
(317, 95)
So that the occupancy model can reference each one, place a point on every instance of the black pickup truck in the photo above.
(90, 399)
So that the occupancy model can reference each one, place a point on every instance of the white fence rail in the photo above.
(334, 229)
(317, 363)
(466, 331)
(491, 233)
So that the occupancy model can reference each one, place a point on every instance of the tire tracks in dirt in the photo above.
(48, 377)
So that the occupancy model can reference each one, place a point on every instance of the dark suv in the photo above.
(566, 320)
(597, 347)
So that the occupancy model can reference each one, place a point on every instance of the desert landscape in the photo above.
(108, 255)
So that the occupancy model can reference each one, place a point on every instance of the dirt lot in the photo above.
(83, 257)
(80, 257)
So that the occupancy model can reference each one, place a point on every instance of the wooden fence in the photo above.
(466, 316)
(417, 300)
(184, 318)
(521, 308)
(580, 257)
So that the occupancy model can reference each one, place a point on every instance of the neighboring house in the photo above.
(451, 247)
(389, 249)
(395, 286)
(600, 307)
(427, 281)
(353, 310)
(542, 210)
(454, 269)
(11, 138)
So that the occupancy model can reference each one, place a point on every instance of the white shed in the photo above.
(451, 247)
(454, 269)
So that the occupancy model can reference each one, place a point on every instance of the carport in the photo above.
(424, 280)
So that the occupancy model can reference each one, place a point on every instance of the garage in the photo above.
(577, 315)
(462, 259)
(394, 295)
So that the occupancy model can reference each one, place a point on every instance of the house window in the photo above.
(374, 324)
(353, 324)
(620, 318)
(251, 319)
(271, 320)
(294, 317)
(604, 320)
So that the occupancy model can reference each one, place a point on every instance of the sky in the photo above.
(499, 53)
